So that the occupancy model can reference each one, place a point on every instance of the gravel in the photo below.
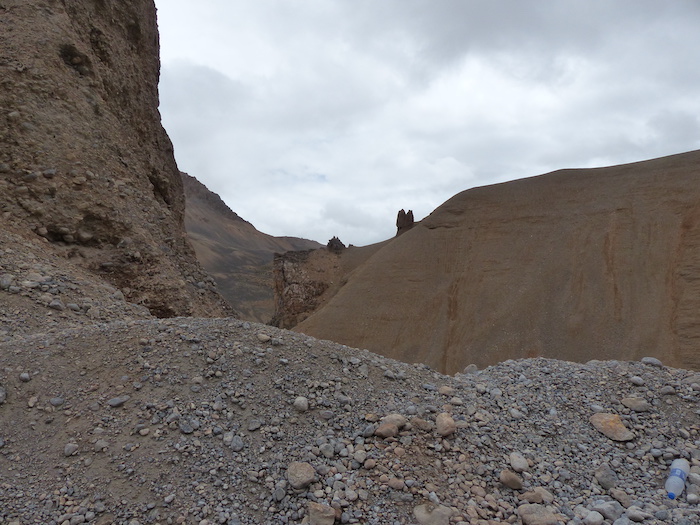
(302, 429)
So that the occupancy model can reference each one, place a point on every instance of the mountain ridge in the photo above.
(522, 269)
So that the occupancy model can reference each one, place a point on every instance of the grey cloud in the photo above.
(324, 118)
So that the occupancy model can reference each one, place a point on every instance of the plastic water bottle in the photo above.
(676, 478)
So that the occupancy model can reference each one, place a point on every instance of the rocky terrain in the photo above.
(222, 421)
(576, 264)
(84, 161)
(117, 406)
(234, 252)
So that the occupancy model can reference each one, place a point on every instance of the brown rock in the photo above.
(534, 514)
(404, 221)
(320, 514)
(611, 426)
(422, 424)
(396, 419)
(396, 483)
(300, 474)
(386, 430)
(510, 479)
(431, 514)
(445, 425)
(622, 497)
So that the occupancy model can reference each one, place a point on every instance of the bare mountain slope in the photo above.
(238, 256)
(576, 264)
(85, 165)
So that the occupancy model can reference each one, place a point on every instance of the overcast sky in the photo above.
(317, 118)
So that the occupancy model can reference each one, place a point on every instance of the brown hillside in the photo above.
(238, 256)
(576, 264)
(85, 165)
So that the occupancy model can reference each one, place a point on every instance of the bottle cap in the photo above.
(671, 495)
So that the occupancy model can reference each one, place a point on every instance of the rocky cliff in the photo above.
(84, 161)
(576, 264)
(234, 252)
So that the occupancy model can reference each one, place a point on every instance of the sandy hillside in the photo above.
(575, 264)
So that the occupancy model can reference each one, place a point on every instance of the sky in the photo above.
(322, 118)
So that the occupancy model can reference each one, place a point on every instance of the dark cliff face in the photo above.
(84, 160)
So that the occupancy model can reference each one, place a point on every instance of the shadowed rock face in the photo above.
(84, 160)
(576, 264)
(238, 256)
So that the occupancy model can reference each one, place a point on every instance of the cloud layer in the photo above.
(323, 118)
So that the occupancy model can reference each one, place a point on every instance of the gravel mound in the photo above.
(220, 421)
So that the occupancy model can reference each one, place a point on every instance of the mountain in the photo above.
(110, 415)
(579, 264)
(86, 169)
(235, 254)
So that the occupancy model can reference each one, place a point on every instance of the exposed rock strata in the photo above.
(576, 264)
(84, 160)
(305, 280)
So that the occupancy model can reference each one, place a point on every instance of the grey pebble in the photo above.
(116, 402)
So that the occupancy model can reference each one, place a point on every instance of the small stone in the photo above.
(471, 369)
(534, 514)
(396, 483)
(300, 474)
(510, 479)
(611, 426)
(611, 510)
(396, 419)
(263, 338)
(636, 514)
(70, 449)
(667, 390)
(3, 395)
(446, 390)
(606, 476)
(432, 514)
(621, 496)
(185, 426)
(24, 377)
(636, 380)
(116, 402)
(445, 425)
(254, 424)
(57, 304)
(637, 404)
(518, 462)
(652, 361)
(386, 430)
(320, 514)
(237, 443)
(422, 424)
(101, 445)
(169, 499)
(327, 450)
(56, 401)
(593, 518)
(301, 404)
